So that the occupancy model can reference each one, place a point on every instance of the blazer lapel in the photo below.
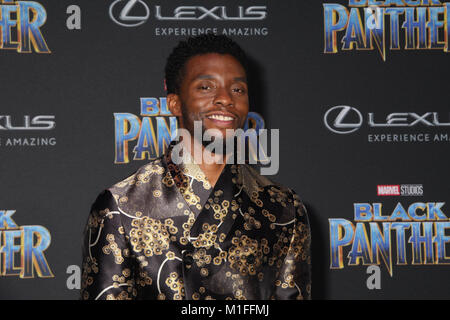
(191, 182)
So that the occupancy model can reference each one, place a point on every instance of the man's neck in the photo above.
(212, 171)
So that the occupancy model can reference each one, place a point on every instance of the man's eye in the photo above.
(239, 90)
(206, 87)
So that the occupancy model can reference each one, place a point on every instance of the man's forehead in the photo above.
(210, 63)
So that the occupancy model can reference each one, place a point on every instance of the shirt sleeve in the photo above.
(107, 271)
(294, 280)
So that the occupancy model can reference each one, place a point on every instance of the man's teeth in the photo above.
(221, 118)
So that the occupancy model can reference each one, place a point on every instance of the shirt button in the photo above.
(250, 259)
(188, 260)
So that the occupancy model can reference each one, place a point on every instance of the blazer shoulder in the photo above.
(134, 195)
(139, 179)
(253, 180)
(104, 200)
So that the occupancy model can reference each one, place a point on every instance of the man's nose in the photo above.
(223, 98)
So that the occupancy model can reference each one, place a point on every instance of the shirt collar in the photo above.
(194, 185)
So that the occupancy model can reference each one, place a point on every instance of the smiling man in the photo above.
(185, 229)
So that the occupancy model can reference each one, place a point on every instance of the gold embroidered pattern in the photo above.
(208, 237)
(194, 171)
(175, 283)
(186, 229)
(151, 236)
(220, 209)
(245, 255)
(144, 279)
(143, 177)
(120, 281)
(112, 247)
(201, 258)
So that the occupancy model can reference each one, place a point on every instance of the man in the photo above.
(185, 229)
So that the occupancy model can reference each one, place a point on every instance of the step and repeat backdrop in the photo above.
(357, 88)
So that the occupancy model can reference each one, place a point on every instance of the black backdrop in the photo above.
(105, 68)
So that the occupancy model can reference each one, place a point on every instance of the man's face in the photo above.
(213, 91)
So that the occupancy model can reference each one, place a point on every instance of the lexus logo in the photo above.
(335, 119)
(125, 19)
(133, 13)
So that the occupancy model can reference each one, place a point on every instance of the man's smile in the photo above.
(221, 119)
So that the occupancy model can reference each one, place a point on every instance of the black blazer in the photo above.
(165, 233)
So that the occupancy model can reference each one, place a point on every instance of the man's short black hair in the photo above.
(203, 44)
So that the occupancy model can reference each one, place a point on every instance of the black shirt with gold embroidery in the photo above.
(165, 233)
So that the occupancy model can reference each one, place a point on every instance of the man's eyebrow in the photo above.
(241, 79)
(208, 77)
(204, 76)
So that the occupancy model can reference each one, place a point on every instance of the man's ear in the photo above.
(174, 104)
